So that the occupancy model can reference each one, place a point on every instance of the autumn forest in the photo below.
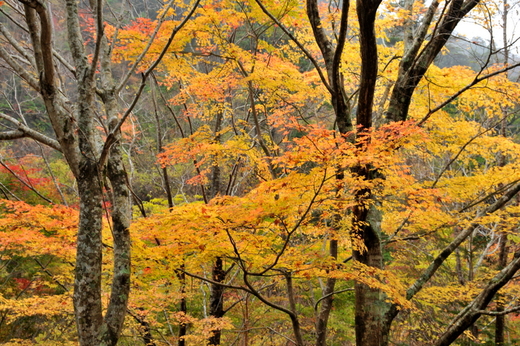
(259, 172)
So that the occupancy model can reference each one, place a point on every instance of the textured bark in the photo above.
(87, 282)
(121, 206)
(74, 120)
(78, 140)
(121, 216)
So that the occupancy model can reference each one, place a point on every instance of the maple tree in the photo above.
(323, 183)
(425, 112)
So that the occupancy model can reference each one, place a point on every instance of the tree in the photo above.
(96, 163)
(373, 316)
(412, 74)
(313, 158)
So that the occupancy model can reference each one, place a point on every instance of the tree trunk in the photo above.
(218, 275)
(326, 304)
(87, 283)
(121, 217)
(332, 58)
(418, 58)
(500, 325)
(217, 298)
(370, 306)
(183, 308)
(369, 301)
(79, 142)
(74, 121)
(500, 322)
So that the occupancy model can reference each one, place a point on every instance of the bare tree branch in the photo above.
(141, 56)
(112, 135)
(498, 313)
(25, 183)
(297, 42)
(25, 131)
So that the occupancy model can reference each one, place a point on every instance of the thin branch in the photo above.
(111, 138)
(467, 87)
(25, 131)
(64, 62)
(258, 130)
(16, 45)
(18, 69)
(439, 260)
(145, 50)
(45, 44)
(28, 185)
(168, 107)
(471, 312)
(283, 336)
(501, 189)
(46, 271)
(195, 276)
(4, 189)
(298, 43)
(53, 176)
(331, 294)
(498, 313)
(11, 18)
(294, 228)
(454, 158)
(419, 34)
(100, 33)
(34, 33)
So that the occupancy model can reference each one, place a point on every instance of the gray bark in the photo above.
(78, 140)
